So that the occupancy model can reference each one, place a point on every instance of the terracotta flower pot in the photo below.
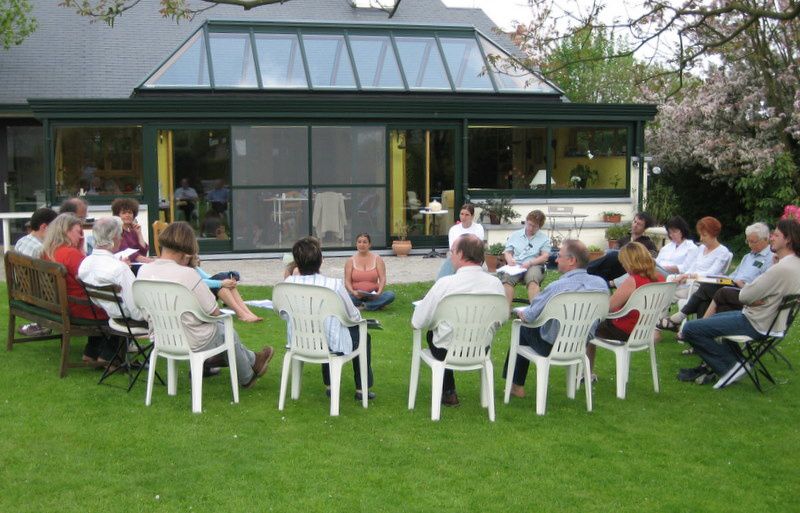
(491, 262)
(594, 255)
(401, 247)
(612, 219)
(613, 244)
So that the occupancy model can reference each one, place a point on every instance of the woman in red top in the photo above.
(641, 269)
(365, 277)
(63, 244)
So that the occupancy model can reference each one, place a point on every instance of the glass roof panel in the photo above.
(466, 65)
(510, 75)
(232, 57)
(280, 61)
(376, 63)
(328, 62)
(422, 63)
(187, 67)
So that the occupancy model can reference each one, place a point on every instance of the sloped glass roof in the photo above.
(352, 57)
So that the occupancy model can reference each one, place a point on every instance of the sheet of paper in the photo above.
(227, 311)
(125, 253)
(367, 293)
(260, 303)
(512, 270)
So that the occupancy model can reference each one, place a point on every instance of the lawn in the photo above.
(71, 445)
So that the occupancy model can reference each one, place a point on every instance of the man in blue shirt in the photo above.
(753, 265)
(528, 248)
(572, 261)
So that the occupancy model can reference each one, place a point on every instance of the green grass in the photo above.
(71, 445)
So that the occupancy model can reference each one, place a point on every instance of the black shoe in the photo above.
(450, 398)
(692, 374)
(209, 372)
(370, 396)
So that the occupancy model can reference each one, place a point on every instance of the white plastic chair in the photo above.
(165, 302)
(649, 300)
(305, 308)
(474, 319)
(575, 312)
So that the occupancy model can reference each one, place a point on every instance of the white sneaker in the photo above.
(734, 374)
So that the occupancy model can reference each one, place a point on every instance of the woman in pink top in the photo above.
(365, 277)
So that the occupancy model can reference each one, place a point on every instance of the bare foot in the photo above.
(517, 391)
(251, 319)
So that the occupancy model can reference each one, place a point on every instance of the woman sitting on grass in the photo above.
(223, 286)
(641, 269)
(365, 277)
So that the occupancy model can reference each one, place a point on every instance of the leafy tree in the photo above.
(16, 22)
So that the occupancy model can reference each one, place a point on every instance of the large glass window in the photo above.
(328, 61)
(188, 66)
(280, 61)
(348, 155)
(507, 157)
(466, 65)
(232, 56)
(26, 177)
(270, 186)
(590, 157)
(422, 63)
(98, 161)
(375, 61)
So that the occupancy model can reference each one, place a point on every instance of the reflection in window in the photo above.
(188, 66)
(270, 155)
(348, 155)
(507, 158)
(328, 61)
(98, 161)
(375, 61)
(340, 214)
(232, 56)
(26, 175)
(590, 157)
(466, 66)
(510, 75)
(269, 218)
(422, 63)
(280, 61)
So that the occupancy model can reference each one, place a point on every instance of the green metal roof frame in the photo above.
(346, 31)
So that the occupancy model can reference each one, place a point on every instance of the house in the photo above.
(309, 117)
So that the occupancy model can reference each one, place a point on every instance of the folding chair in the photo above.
(128, 330)
(750, 351)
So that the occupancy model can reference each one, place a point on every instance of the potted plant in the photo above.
(595, 252)
(581, 175)
(491, 255)
(610, 216)
(401, 246)
(498, 210)
(616, 232)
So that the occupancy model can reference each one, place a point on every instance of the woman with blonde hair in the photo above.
(63, 243)
(641, 269)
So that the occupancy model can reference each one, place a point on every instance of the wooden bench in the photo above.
(37, 291)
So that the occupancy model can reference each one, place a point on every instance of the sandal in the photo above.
(687, 352)
(667, 324)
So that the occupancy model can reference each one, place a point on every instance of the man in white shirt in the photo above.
(470, 278)
(103, 268)
(341, 339)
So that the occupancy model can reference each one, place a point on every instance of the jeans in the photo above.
(245, 358)
(446, 269)
(700, 335)
(699, 301)
(326, 372)
(374, 302)
(527, 337)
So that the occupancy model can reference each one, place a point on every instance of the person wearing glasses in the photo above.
(572, 261)
(528, 248)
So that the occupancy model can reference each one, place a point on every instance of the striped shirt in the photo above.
(29, 245)
(338, 336)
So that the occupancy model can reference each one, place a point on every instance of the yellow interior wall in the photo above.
(606, 166)
(165, 172)
(397, 180)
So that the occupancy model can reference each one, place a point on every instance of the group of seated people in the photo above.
(768, 273)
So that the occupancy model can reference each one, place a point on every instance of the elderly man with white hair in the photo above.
(103, 268)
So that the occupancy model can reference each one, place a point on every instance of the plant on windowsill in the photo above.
(595, 252)
(610, 216)
(582, 175)
(491, 255)
(401, 246)
(498, 210)
(616, 232)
